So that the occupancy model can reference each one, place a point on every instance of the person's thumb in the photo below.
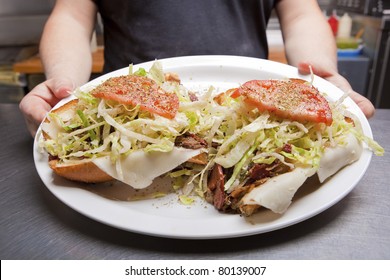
(306, 68)
(61, 88)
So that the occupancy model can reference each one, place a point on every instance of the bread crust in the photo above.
(71, 105)
(86, 172)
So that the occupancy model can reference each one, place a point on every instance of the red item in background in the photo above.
(334, 23)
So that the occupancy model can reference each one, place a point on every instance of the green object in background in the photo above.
(347, 43)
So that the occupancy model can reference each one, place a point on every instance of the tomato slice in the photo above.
(139, 91)
(292, 99)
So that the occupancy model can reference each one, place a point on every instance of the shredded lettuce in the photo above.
(140, 72)
(156, 73)
(371, 143)
(186, 200)
(86, 123)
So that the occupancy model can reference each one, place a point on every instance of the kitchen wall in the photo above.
(21, 24)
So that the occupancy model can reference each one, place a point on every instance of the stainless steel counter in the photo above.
(36, 225)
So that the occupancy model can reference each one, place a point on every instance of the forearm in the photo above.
(65, 44)
(309, 41)
(307, 35)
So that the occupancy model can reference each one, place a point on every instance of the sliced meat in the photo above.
(193, 96)
(216, 187)
(199, 159)
(190, 141)
(172, 77)
(259, 171)
(287, 148)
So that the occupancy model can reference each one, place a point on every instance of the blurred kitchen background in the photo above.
(363, 41)
(21, 24)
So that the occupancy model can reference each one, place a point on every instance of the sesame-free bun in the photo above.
(85, 171)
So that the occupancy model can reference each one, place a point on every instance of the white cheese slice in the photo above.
(52, 128)
(336, 158)
(276, 194)
(139, 169)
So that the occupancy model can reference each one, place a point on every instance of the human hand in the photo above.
(335, 78)
(41, 99)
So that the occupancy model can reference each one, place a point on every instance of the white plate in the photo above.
(166, 216)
